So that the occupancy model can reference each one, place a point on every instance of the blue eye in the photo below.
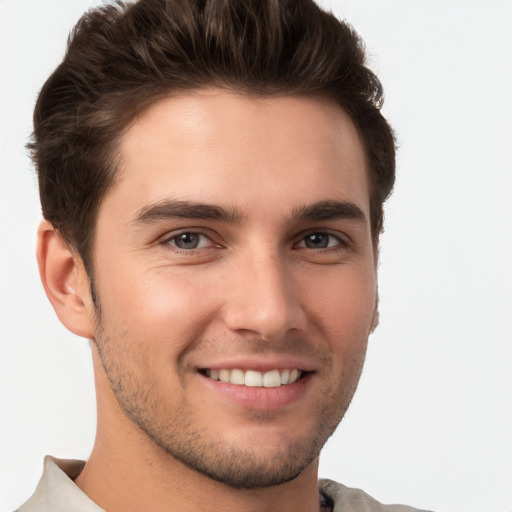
(190, 240)
(320, 240)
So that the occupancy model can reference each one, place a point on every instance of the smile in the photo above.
(254, 378)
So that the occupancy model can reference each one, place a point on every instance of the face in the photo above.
(236, 283)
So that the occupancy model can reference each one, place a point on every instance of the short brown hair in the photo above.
(122, 58)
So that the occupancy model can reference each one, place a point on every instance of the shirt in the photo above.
(56, 492)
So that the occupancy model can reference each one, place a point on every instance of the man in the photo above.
(212, 176)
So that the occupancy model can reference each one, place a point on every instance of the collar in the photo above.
(56, 491)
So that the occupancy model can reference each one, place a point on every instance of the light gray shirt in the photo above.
(56, 492)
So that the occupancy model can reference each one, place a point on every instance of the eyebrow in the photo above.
(171, 209)
(330, 210)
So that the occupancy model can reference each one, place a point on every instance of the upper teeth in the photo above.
(253, 378)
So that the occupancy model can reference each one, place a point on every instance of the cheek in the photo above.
(159, 306)
(342, 310)
(342, 302)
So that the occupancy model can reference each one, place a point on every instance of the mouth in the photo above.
(255, 379)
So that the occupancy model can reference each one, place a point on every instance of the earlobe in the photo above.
(65, 281)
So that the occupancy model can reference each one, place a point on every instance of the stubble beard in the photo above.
(186, 440)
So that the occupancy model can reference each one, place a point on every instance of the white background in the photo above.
(431, 424)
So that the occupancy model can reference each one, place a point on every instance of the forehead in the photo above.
(214, 146)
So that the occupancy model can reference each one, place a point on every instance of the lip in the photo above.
(261, 364)
(256, 398)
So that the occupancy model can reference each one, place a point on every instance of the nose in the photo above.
(264, 298)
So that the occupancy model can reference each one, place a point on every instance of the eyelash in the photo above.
(340, 242)
(169, 239)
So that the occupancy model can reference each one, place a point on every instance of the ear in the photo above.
(375, 320)
(65, 281)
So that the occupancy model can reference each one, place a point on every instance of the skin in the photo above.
(272, 283)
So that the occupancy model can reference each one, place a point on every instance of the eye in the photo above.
(189, 240)
(321, 240)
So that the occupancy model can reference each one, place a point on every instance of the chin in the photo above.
(254, 460)
(242, 469)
